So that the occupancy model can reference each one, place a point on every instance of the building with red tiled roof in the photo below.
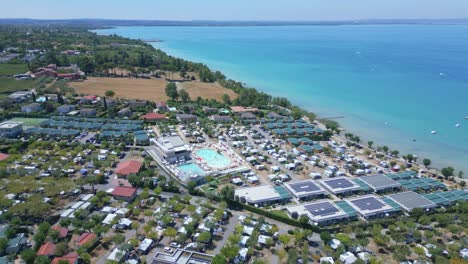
(71, 258)
(128, 167)
(3, 156)
(84, 239)
(47, 249)
(124, 193)
(153, 116)
(62, 231)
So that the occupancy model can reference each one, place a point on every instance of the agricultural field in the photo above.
(148, 89)
(12, 69)
(8, 84)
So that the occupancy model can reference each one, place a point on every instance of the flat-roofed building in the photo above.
(370, 206)
(410, 200)
(10, 129)
(262, 195)
(380, 183)
(173, 149)
(305, 190)
(340, 186)
(180, 256)
(321, 212)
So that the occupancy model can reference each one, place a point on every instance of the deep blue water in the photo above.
(393, 84)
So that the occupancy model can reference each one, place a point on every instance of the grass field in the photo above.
(12, 69)
(207, 90)
(147, 89)
(8, 84)
(28, 121)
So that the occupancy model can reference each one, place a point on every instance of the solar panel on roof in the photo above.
(368, 203)
(321, 209)
(304, 187)
(339, 183)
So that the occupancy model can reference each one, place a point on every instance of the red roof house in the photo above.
(153, 116)
(84, 239)
(3, 156)
(71, 258)
(128, 167)
(63, 232)
(47, 249)
(124, 193)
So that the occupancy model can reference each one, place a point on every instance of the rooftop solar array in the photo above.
(370, 205)
(305, 186)
(424, 184)
(339, 183)
(380, 182)
(410, 200)
(321, 209)
(304, 189)
(448, 197)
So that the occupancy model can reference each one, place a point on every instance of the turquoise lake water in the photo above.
(392, 83)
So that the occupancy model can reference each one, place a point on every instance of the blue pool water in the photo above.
(394, 84)
(191, 169)
(213, 158)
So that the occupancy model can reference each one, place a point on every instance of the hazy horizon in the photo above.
(241, 10)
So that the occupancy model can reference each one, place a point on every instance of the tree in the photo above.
(325, 237)
(419, 251)
(218, 259)
(285, 239)
(401, 252)
(370, 143)
(3, 244)
(110, 93)
(171, 91)
(42, 260)
(230, 251)
(184, 96)
(170, 232)
(204, 237)
(118, 239)
(385, 149)
(227, 193)
(28, 255)
(426, 162)
(448, 171)
(226, 99)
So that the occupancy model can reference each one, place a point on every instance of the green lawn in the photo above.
(8, 84)
(28, 121)
(12, 69)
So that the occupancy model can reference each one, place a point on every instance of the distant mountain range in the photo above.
(113, 22)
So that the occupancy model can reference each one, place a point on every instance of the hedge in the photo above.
(277, 217)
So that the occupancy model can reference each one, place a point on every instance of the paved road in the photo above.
(229, 230)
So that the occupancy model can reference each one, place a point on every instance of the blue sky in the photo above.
(235, 9)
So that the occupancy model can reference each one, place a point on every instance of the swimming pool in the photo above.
(213, 158)
(191, 169)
